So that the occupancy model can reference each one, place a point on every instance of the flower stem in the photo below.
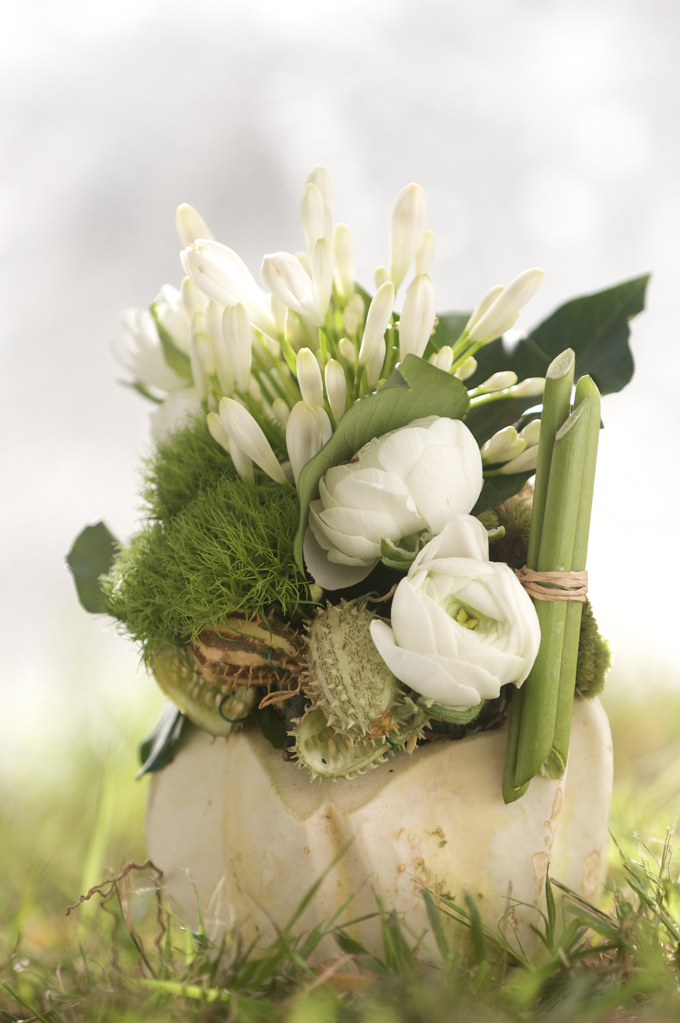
(585, 388)
(560, 522)
(556, 404)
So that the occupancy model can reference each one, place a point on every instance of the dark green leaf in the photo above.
(476, 929)
(159, 746)
(497, 489)
(271, 726)
(435, 918)
(90, 557)
(595, 326)
(176, 359)
(414, 391)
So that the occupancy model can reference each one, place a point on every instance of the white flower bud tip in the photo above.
(343, 251)
(322, 273)
(443, 359)
(498, 382)
(336, 388)
(377, 319)
(467, 369)
(312, 214)
(503, 446)
(532, 387)
(348, 351)
(425, 254)
(407, 227)
(531, 432)
(285, 277)
(238, 340)
(190, 225)
(201, 357)
(248, 434)
(320, 176)
(381, 276)
(303, 436)
(223, 276)
(309, 378)
(524, 462)
(417, 317)
(192, 298)
(281, 411)
(503, 311)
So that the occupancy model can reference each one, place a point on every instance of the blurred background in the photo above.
(543, 134)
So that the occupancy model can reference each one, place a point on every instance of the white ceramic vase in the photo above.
(251, 832)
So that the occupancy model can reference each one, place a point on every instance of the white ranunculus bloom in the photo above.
(462, 626)
(141, 353)
(415, 478)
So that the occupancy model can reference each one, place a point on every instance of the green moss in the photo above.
(212, 545)
(594, 656)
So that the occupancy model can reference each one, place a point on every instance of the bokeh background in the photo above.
(543, 132)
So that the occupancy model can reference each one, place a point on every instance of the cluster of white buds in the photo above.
(518, 451)
(275, 370)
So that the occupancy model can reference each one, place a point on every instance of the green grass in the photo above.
(129, 961)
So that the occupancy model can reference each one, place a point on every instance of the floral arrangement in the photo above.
(341, 543)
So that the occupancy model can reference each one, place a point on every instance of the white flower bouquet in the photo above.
(343, 556)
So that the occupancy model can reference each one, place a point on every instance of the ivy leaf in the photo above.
(90, 557)
(497, 489)
(158, 748)
(414, 391)
(174, 356)
(595, 326)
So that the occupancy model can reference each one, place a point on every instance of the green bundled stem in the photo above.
(556, 406)
(557, 761)
(560, 524)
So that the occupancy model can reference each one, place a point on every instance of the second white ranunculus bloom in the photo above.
(461, 626)
(415, 478)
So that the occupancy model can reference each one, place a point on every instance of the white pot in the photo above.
(251, 832)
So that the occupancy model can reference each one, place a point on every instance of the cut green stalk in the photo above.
(557, 761)
(556, 405)
(557, 548)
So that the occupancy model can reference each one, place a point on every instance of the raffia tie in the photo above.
(540, 585)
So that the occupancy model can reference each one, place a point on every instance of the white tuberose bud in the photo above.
(407, 227)
(343, 250)
(201, 356)
(425, 254)
(320, 176)
(443, 359)
(223, 366)
(381, 275)
(373, 341)
(248, 434)
(417, 317)
(305, 433)
(190, 225)
(532, 387)
(503, 446)
(524, 462)
(242, 464)
(238, 340)
(312, 214)
(336, 388)
(505, 308)
(223, 276)
(281, 411)
(285, 277)
(466, 369)
(531, 432)
(322, 273)
(348, 351)
(309, 378)
(498, 382)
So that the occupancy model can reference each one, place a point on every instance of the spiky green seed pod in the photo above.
(326, 753)
(346, 677)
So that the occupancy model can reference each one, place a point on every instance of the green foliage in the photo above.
(414, 391)
(90, 557)
(213, 545)
(594, 656)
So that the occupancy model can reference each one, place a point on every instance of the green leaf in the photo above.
(158, 748)
(497, 489)
(595, 326)
(414, 391)
(90, 557)
(174, 356)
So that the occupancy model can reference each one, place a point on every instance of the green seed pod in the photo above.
(346, 677)
(327, 753)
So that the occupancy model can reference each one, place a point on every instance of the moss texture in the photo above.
(212, 545)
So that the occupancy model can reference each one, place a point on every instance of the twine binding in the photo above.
(554, 585)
